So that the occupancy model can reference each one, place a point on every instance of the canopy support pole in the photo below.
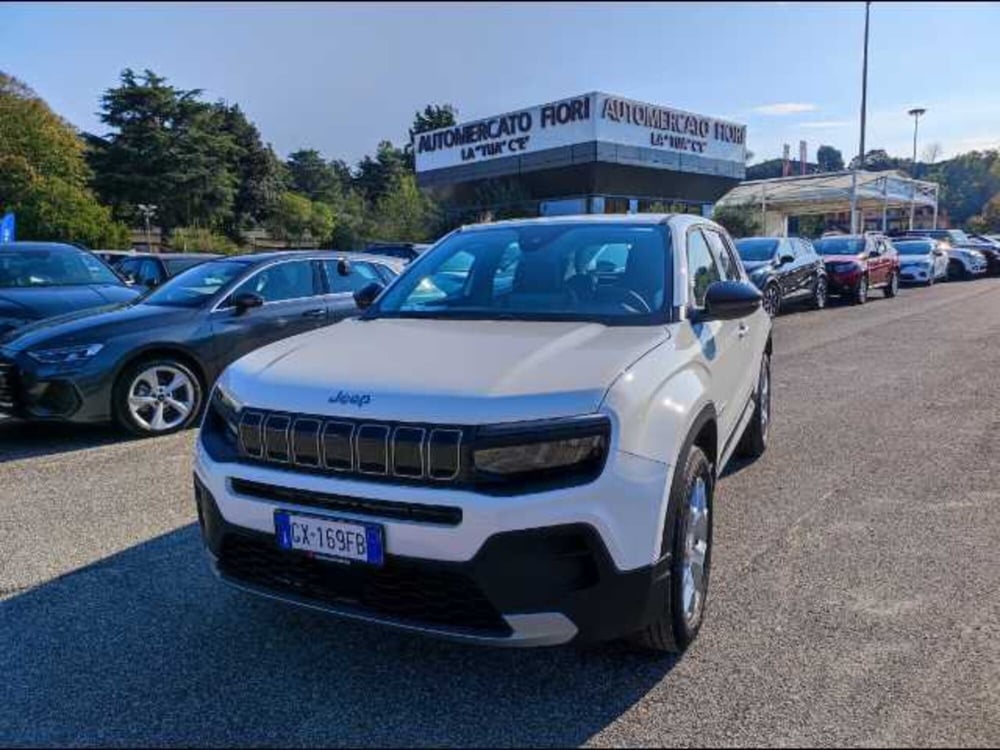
(885, 204)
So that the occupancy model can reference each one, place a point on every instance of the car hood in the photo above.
(755, 265)
(95, 326)
(915, 260)
(438, 371)
(44, 302)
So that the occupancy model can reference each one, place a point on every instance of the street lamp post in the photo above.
(864, 102)
(915, 113)
(147, 210)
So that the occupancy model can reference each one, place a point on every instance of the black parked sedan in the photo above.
(42, 279)
(784, 269)
(148, 365)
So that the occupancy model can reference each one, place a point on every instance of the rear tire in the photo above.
(892, 288)
(754, 441)
(689, 520)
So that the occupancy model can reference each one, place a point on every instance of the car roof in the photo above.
(638, 219)
(40, 246)
(206, 256)
(270, 255)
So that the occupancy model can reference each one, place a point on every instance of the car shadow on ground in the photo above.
(146, 647)
(20, 439)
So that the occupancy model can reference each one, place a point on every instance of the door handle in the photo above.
(743, 330)
(318, 312)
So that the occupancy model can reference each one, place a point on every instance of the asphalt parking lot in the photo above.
(854, 597)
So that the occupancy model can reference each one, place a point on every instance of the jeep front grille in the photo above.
(366, 448)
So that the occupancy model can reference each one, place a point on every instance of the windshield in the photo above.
(839, 246)
(55, 267)
(756, 248)
(913, 248)
(607, 273)
(195, 286)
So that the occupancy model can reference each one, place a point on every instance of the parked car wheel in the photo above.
(754, 441)
(861, 293)
(819, 293)
(689, 518)
(772, 299)
(892, 288)
(157, 396)
(930, 280)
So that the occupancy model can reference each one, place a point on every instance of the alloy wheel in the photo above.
(693, 579)
(820, 293)
(772, 300)
(161, 398)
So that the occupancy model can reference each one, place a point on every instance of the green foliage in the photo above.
(376, 176)
(43, 174)
(739, 221)
(968, 182)
(404, 213)
(201, 240)
(296, 218)
(989, 220)
(311, 176)
(829, 159)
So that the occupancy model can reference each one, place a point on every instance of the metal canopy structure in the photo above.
(857, 191)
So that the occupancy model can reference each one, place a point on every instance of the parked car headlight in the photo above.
(66, 355)
(227, 409)
(536, 450)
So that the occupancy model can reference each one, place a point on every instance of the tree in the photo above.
(434, 117)
(311, 176)
(967, 182)
(296, 217)
(931, 153)
(43, 174)
(739, 221)
(260, 175)
(829, 159)
(375, 177)
(199, 239)
(404, 213)
(166, 148)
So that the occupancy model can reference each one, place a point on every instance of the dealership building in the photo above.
(594, 153)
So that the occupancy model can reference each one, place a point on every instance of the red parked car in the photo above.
(856, 264)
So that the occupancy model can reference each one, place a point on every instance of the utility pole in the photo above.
(147, 210)
(864, 101)
(915, 114)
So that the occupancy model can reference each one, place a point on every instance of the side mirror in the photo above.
(246, 301)
(343, 267)
(726, 300)
(367, 294)
(785, 258)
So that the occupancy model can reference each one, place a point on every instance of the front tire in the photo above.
(772, 299)
(892, 288)
(157, 396)
(820, 295)
(689, 519)
(861, 293)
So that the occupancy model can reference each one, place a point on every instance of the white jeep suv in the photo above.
(516, 443)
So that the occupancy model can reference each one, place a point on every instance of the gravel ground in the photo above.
(854, 589)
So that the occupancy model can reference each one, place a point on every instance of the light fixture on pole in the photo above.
(147, 210)
(915, 113)
(864, 102)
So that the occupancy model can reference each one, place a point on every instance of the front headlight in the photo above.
(565, 448)
(66, 355)
(226, 408)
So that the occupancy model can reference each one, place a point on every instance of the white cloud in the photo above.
(785, 108)
(826, 124)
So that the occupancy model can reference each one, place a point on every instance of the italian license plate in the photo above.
(342, 540)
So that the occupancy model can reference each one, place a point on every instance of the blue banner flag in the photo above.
(7, 229)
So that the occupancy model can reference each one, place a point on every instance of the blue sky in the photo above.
(341, 77)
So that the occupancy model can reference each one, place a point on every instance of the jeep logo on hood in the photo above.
(356, 399)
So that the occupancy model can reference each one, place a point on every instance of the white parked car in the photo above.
(517, 443)
(965, 263)
(922, 261)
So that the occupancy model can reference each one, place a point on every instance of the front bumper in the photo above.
(921, 273)
(32, 391)
(574, 565)
(842, 282)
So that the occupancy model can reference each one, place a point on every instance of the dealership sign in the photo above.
(581, 119)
